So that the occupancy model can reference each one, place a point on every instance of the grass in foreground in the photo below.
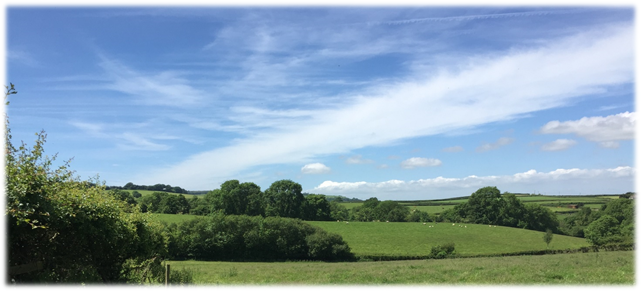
(560, 269)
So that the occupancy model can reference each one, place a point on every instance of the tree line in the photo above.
(156, 187)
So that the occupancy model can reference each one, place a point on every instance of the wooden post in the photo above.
(167, 270)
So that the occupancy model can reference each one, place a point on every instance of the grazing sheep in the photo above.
(338, 221)
(386, 220)
(347, 222)
(453, 224)
(466, 226)
(424, 223)
(495, 226)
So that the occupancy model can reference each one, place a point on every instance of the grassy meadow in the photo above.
(558, 269)
(416, 239)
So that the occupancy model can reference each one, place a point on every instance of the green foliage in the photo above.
(253, 238)
(622, 210)
(338, 211)
(488, 206)
(284, 198)
(50, 213)
(123, 196)
(442, 251)
(162, 202)
(373, 209)
(603, 231)
(316, 207)
(136, 194)
(547, 237)
(78, 230)
(416, 215)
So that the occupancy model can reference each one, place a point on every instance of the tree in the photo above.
(603, 231)
(284, 198)
(338, 211)
(547, 237)
(316, 208)
(484, 206)
(136, 194)
(234, 198)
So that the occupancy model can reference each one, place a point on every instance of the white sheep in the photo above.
(453, 224)
(347, 222)
(424, 223)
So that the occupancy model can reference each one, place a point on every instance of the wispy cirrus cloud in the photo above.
(481, 90)
(584, 181)
(166, 88)
(126, 139)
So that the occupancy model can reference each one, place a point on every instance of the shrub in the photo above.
(442, 251)
(253, 238)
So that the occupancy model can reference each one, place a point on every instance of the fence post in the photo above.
(167, 270)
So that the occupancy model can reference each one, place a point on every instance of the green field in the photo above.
(563, 269)
(416, 239)
(175, 218)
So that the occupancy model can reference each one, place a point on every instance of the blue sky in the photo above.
(391, 102)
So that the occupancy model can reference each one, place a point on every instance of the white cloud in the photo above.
(488, 88)
(358, 159)
(165, 88)
(560, 181)
(382, 166)
(417, 162)
(454, 149)
(315, 168)
(125, 139)
(597, 128)
(558, 145)
(495, 145)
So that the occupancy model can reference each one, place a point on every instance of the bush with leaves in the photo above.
(76, 229)
(253, 238)
(442, 251)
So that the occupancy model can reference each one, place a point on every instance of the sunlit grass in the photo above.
(563, 269)
(416, 239)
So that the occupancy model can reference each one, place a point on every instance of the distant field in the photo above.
(559, 269)
(148, 192)
(438, 206)
(432, 209)
(175, 218)
(416, 239)
(350, 205)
